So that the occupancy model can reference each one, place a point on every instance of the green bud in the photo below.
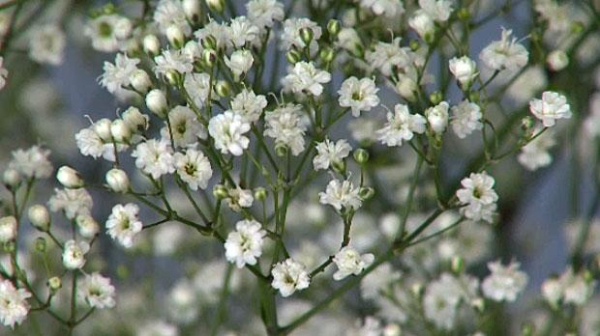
(260, 194)
(172, 78)
(209, 57)
(306, 35)
(40, 244)
(293, 56)
(414, 45)
(281, 150)
(327, 54)
(9, 246)
(223, 89)
(339, 166)
(429, 38)
(464, 14)
(333, 27)
(417, 290)
(216, 5)
(361, 156)
(54, 283)
(436, 97)
(209, 42)
(527, 124)
(458, 265)
(527, 329)
(474, 96)
(220, 192)
(366, 193)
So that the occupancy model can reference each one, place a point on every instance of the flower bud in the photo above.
(151, 45)
(327, 54)
(39, 217)
(478, 304)
(339, 166)
(102, 128)
(417, 290)
(69, 177)
(117, 180)
(458, 265)
(223, 89)
(464, 14)
(220, 192)
(55, 283)
(135, 120)
(173, 77)
(209, 57)
(175, 36)
(87, 225)
(209, 42)
(281, 150)
(306, 35)
(260, 194)
(557, 60)
(437, 117)
(40, 244)
(407, 88)
(435, 97)
(334, 27)
(192, 9)
(293, 56)
(120, 131)
(11, 178)
(140, 81)
(8, 229)
(366, 193)
(216, 5)
(414, 45)
(361, 156)
(157, 102)
(423, 24)
(464, 70)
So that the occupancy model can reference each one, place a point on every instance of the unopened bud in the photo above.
(417, 290)
(209, 42)
(436, 97)
(557, 60)
(40, 244)
(474, 96)
(102, 129)
(293, 56)
(366, 193)
(55, 283)
(117, 180)
(88, 227)
(151, 45)
(414, 45)
(223, 89)
(216, 5)
(11, 178)
(209, 57)
(192, 9)
(220, 192)
(306, 35)
(260, 194)
(173, 78)
(39, 217)
(8, 229)
(120, 131)
(339, 166)
(478, 304)
(333, 27)
(464, 14)
(135, 120)
(140, 81)
(361, 156)
(157, 102)
(175, 36)
(458, 265)
(69, 177)
(281, 150)
(327, 55)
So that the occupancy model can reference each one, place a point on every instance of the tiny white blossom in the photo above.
(423, 24)
(264, 13)
(289, 276)
(118, 75)
(443, 296)
(170, 13)
(185, 127)
(359, 95)
(13, 303)
(46, 44)
(466, 118)
(478, 194)
(387, 56)
(243, 31)
(239, 63)
(437, 117)
(108, 32)
(291, 33)
(306, 78)
(341, 194)
(197, 86)
(87, 225)
(505, 282)
(505, 54)
(349, 262)
(172, 61)
(284, 124)
(74, 254)
(401, 126)
(73, 202)
(154, 158)
(569, 288)
(329, 152)
(439, 10)
(244, 245)
(551, 107)
(228, 129)
(249, 105)
(239, 198)
(32, 163)
(123, 224)
(536, 154)
(464, 70)
(193, 168)
(387, 8)
(96, 291)
(220, 31)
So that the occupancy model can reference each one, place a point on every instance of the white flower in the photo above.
(401, 126)
(239, 198)
(32, 163)
(557, 60)
(117, 180)
(289, 276)
(551, 107)
(87, 225)
(329, 152)
(90, 144)
(154, 158)
(466, 118)
(228, 129)
(239, 63)
(305, 78)
(193, 168)
(359, 95)
(570, 287)
(243, 31)
(349, 261)
(185, 127)
(464, 70)
(172, 61)
(197, 86)
(249, 105)
(387, 8)
(387, 56)
(349, 40)
(73, 202)
(478, 194)
(217, 30)
(8, 229)
(505, 282)
(341, 194)
(46, 44)
(439, 10)
(171, 13)
(284, 124)
(108, 32)
(3, 73)
(443, 296)
(74, 254)
(264, 13)
(123, 223)
(244, 245)
(423, 24)
(536, 154)
(69, 177)
(13, 304)
(291, 33)
(96, 291)
(183, 305)
(505, 54)
(118, 76)
(437, 116)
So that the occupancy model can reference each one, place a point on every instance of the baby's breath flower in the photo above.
(185, 127)
(170, 13)
(341, 195)
(551, 107)
(264, 13)
(349, 262)
(536, 153)
(242, 32)
(466, 118)
(96, 291)
(172, 61)
(478, 196)
(32, 163)
(46, 44)
(8, 229)
(505, 54)
(386, 8)
(239, 63)
(197, 86)
(228, 129)
(248, 105)
(329, 152)
(244, 245)
(123, 223)
(289, 276)
(386, 56)
(193, 168)
(439, 10)
(74, 254)
(464, 70)
(359, 95)
(13, 304)
(238, 198)
(154, 158)
(284, 124)
(291, 33)
(505, 282)
(401, 126)
(437, 117)
(73, 202)
(306, 78)
(108, 32)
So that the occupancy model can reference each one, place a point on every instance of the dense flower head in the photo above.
(96, 291)
(505, 54)
(478, 196)
(244, 245)
(123, 224)
(358, 95)
(154, 158)
(329, 152)
(227, 130)
(349, 261)
(14, 307)
(289, 276)
(306, 78)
